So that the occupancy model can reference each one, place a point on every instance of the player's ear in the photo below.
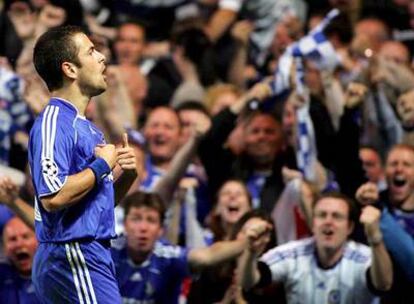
(69, 70)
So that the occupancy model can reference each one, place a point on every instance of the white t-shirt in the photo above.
(295, 265)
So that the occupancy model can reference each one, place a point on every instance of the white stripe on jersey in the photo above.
(80, 272)
(53, 133)
(37, 215)
(86, 270)
(74, 273)
(48, 140)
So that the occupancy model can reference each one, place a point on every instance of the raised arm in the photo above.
(381, 270)
(248, 274)
(169, 182)
(399, 243)
(9, 195)
(219, 23)
(226, 250)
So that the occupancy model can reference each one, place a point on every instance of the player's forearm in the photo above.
(247, 272)
(217, 253)
(123, 184)
(75, 188)
(381, 270)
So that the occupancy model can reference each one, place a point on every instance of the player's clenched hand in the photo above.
(126, 157)
(108, 153)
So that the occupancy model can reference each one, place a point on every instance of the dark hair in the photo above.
(250, 116)
(352, 209)
(192, 105)
(341, 27)
(53, 48)
(141, 199)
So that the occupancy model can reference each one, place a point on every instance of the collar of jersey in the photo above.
(68, 104)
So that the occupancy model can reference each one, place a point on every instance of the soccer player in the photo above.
(327, 268)
(71, 168)
(150, 270)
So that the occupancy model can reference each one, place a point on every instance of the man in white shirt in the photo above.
(326, 268)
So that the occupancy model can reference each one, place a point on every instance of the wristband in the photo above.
(375, 240)
(100, 168)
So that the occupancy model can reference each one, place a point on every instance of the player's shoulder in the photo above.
(54, 117)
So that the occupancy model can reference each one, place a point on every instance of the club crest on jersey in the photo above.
(49, 167)
(334, 296)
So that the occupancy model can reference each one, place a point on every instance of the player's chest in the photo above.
(87, 138)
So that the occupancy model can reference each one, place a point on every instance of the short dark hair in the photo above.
(139, 199)
(52, 49)
(250, 116)
(352, 207)
(192, 105)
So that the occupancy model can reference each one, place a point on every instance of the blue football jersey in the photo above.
(156, 280)
(61, 144)
(14, 289)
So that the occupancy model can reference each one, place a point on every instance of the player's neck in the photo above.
(75, 97)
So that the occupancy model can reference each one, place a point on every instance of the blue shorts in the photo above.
(75, 272)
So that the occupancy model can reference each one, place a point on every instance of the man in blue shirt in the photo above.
(151, 271)
(71, 168)
(20, 246)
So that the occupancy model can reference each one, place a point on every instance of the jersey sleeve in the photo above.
(278, 261)
(52, 145)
